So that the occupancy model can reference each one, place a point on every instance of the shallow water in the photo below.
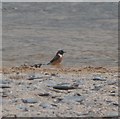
(33, 32)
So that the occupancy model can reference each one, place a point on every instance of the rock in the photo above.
(4, 81)
(80, 82)
(44, 94)
(23, 108)
(53, 74)
(113, 91)
(97, 87)
(4, 95)
(4, 86)
(57, 100)
(36, 65)
(109, 82)
(65, 86)
(99, 79)
(112, 114)
(116, 104)
(34, 77)
(46, 73)
(46, 105)
(29, 100)
(112, 94)
(73, 98)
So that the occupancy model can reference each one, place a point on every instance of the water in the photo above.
(33, 32)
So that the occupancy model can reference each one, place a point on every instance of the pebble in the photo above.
(97, 87)
(112, 94)
(4, 81)
(109, 82)
(4, 86)
(46, 105)
(31, 77)
(29, 100)
(44, 94)
(53, 74)
(116, 104)
(23, 108)
(112, 114)
(65, 86)
(73, 98)
(99, 79)
(57, 100)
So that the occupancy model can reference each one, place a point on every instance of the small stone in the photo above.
(53, 74)
(46, 73)
(34, 77)
(97, 87)
(4, 86)
(4, 81)
(58, 100)
(99, 79)
(29, 100)
(116, 104)
(46, 105)
(112, 91)
(109, 82)
(73, 98)
(23, 108)
(44, 94)
(112, 95)
(66, 86)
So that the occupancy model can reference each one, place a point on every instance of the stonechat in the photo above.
(57, 58)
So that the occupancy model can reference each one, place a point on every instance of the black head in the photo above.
(61, 52)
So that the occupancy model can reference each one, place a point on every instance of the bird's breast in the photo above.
(58, 61)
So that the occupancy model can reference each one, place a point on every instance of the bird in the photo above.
(57, 59)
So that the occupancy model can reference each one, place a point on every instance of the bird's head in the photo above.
(61, 52)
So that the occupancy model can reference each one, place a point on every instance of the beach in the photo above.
(86, 84)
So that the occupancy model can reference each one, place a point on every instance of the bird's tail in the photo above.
(48, 63)
(39, 65)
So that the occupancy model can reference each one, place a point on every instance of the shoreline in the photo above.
(60, 92)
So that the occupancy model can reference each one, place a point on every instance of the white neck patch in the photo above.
(60, 55)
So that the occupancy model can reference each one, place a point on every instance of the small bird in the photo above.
(55, 61)
(57, 58)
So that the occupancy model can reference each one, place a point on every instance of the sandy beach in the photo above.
(86, 84)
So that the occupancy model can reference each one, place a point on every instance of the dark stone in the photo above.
(29, 100)
(44, 94)
(97, 87)
(112, 91)
(99, 79)
(112, 94)
(34, 77)
(2, 81)
(53, 74)
(58, 100)
(65, 86)
(116, 104)
(36, 65)
(46, 73)
(23, 108)
(109, 82)
(46, 105)
(73, 98)
(4, 86)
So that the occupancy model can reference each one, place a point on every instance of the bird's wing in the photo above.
(54, 59)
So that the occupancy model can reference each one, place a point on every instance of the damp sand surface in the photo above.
(33, 32)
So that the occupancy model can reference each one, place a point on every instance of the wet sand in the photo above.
(33, 32)
(86, 84)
